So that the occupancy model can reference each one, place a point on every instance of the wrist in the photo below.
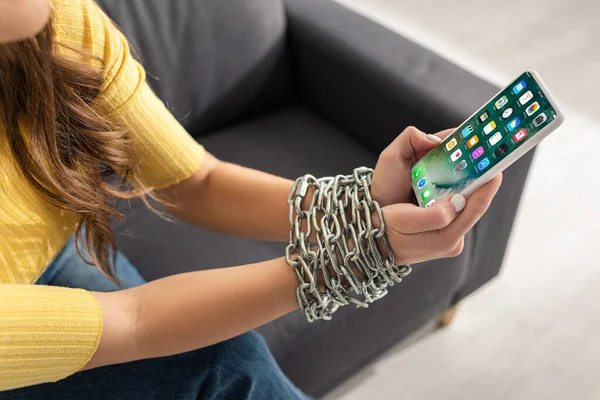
(353, 263)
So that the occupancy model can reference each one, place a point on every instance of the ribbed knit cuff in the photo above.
(46, 333)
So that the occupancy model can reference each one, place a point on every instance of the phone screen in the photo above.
(498, 129)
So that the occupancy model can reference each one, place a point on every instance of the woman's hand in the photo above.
(418, 234)
(392, 178)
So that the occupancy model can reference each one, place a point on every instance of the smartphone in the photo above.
(499, 133)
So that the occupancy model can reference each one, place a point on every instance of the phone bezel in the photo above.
(518, 153)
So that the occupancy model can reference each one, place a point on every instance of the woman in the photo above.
(75, 107)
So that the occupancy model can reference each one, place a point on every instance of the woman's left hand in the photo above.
(392, 181)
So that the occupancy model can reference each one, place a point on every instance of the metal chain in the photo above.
(352, 261)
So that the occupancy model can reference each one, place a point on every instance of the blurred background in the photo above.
(532, 333)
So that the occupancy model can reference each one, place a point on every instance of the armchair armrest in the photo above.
(370, 81)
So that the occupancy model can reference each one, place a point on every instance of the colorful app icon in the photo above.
(501, 102)
(478, 152)
(417, 171)
(421, 184)
(484, 116)
(532, 109)
(489, 128)
(520, 135)
(430, 203)
(507, 113)
(496, 137)
(426, 194)
(518, 87)
(467, 130)
(472, 142)
(483, 164)
(461, 166)
(540, 119)
(450, 145)
(503, 148)
(456, 155)
(526, 97)
(513, 124)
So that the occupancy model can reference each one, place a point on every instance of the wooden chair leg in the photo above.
(447, 316)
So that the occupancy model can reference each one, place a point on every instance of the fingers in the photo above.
(476, 206)
(418, 234)
(407, 218)
(444, 241)
(457, 250)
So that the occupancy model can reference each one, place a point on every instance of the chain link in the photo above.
(352, 261)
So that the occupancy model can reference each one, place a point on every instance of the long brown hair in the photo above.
(70, 148)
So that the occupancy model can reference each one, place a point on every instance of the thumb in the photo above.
(423, 144)
(445, 133)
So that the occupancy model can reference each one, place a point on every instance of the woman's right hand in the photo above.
(419, 234)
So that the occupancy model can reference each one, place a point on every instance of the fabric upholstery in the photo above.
(212, 62)
(365, 78)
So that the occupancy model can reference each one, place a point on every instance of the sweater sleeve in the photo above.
(164, 152)
(46, 333)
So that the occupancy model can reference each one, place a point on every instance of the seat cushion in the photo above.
(291, 142)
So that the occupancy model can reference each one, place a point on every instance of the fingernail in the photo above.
(434, 138)
(459, 202)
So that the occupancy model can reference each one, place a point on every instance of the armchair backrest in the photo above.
(211, 61)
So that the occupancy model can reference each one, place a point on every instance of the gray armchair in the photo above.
(305, 86)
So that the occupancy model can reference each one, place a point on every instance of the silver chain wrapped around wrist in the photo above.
(350, 260)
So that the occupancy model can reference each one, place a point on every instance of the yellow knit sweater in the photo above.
(49, 333)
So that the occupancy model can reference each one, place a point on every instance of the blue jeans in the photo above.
(238, 368)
